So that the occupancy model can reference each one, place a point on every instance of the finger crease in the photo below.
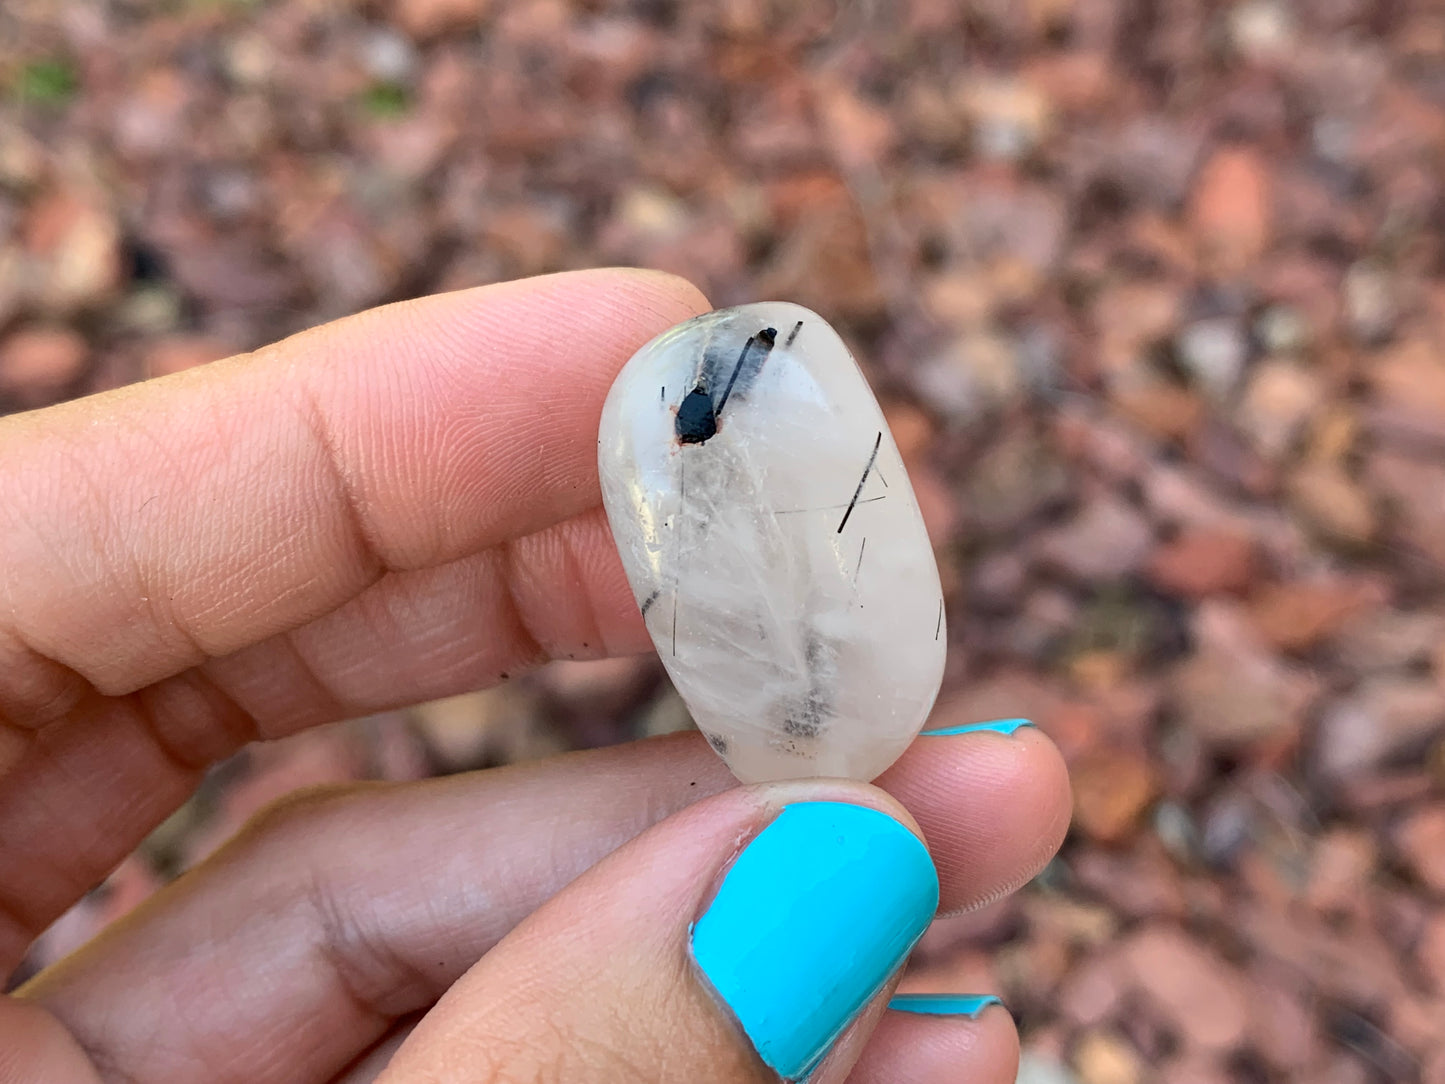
(350, 504)
(26, 928)
(106, 1066)
(379, 981)
(330, 702)
(67, 687)
(199, 652)
(237, 725)
(532, 650)
(574, 570)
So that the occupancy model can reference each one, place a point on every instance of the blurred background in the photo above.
(1154, 291)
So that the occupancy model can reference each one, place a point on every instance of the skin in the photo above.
(395, 507)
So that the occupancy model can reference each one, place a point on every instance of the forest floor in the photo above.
(1154, 292)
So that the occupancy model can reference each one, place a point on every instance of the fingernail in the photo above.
(997, 726)
(969, 1005)
(809, 923)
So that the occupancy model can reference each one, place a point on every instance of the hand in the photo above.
(400, 506)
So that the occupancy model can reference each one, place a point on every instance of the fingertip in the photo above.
(672, 292)
(932, 1048)
(1052, 779)
(637, 302)
(994, 808)
(937, 777)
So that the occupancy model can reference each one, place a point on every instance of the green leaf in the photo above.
(50, 81)
(386, 99)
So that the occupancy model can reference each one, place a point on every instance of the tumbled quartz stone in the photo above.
(774, 544)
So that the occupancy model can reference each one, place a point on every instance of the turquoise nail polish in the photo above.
(809, 923)
(997, 726)
(969, 1005)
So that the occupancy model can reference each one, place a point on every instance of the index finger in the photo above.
(146, 530)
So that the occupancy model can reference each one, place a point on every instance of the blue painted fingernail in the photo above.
(997, 726)
(809, 923)
(969, 1005)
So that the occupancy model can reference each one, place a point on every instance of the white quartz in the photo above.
(774, 544)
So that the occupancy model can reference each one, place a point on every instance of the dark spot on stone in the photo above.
(696, 421)
(806, 722)
(719, 745)
(805, 718)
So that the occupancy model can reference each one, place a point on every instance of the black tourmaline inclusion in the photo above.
(696, 421)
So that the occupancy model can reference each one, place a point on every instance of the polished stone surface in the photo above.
(774, 543)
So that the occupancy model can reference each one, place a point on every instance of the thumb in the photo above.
(748, 937)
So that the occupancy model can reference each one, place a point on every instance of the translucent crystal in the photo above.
(774, 543)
